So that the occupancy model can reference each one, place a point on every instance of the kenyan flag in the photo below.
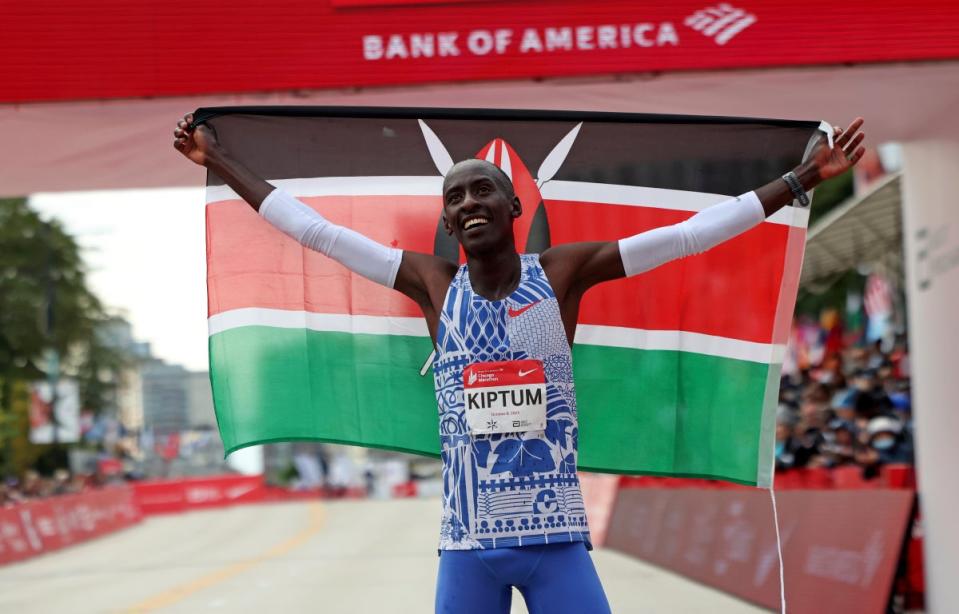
(677, 370)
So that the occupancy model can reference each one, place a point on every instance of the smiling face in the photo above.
(479, 206)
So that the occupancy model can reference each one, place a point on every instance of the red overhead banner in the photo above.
(68, 49)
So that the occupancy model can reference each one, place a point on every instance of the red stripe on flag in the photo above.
(731, 291)
(251, 264)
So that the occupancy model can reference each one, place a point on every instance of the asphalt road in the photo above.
(350, 556)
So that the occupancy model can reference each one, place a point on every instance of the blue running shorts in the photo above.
(553, 579)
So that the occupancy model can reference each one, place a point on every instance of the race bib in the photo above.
(505, 397)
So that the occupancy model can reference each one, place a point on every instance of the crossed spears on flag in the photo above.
(500, 153)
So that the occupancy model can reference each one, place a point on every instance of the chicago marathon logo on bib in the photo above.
(505, 397)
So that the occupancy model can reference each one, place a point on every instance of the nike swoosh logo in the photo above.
(515, 312)
(525, 373)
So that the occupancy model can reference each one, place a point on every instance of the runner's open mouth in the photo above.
(475, 222)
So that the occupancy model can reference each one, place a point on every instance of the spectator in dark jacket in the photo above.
(886, 443)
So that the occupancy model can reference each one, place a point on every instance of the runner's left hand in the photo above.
(845, 152)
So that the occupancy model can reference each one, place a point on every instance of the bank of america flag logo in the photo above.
(721, 22)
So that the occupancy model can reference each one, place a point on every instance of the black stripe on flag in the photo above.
(705, 154)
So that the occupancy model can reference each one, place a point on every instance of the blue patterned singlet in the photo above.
(511, 489)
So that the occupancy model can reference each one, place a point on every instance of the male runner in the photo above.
(502, 326)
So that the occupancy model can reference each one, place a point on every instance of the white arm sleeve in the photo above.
(356, 252)
(706, 229)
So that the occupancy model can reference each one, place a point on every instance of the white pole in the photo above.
(931, 236)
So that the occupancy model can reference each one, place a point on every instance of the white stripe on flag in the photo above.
(586, 334)
(580, 191)
(678, 340)
(326, 322)
(660, 198)
(344, 186)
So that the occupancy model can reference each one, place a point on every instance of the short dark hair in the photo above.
(499, 176)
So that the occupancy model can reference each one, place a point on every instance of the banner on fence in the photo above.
(40, 526)
(840, 548)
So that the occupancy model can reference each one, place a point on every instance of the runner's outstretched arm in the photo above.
(574, 268)
(411, 273)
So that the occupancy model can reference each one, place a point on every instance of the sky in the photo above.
(145, 252)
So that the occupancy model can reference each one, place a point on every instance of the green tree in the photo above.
(14, 426)
(831, 292)
(829, 194)
(45, 304)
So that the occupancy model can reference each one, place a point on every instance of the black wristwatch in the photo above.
(796, 188)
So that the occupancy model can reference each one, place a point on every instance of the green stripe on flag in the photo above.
(640, 411)
(669, 412)
(281, 384)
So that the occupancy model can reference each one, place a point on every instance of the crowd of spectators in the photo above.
(852, 408)
(32, 485)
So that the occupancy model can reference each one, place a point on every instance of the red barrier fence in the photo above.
(841, 478)
(35, 527)
(43, 525)
(599, 495)
(708, 533)
(840, 547)
(166, 496)
(815, 504)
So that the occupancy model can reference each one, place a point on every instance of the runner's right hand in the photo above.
(195, 144)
